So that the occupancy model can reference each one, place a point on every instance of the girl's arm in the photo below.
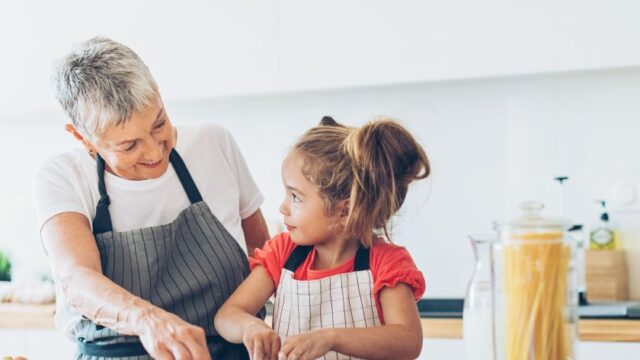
(399, 338)
(236, 320)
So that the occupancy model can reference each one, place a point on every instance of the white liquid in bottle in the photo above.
(478, 334)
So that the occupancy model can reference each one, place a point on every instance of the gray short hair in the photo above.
(100, 84)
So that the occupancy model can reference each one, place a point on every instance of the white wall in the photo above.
(492, 143)
(211, 48)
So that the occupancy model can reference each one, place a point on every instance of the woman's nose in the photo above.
(153, 150)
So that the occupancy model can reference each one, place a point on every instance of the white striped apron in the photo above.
(188, 267)
(337, 301)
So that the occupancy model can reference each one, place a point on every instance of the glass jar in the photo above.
(534, 288)
(478, 303)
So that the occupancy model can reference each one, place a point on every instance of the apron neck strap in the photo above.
(102, 221)
(300, 253)
(185, 177)
(362, 259)
(297, 257)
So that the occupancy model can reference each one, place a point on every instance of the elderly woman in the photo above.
(146, 224)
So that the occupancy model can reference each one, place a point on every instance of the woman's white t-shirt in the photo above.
(69, 183)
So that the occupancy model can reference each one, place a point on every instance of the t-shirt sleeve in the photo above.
(250, 196)
(392, 264)
(272, 256)
(54, 193)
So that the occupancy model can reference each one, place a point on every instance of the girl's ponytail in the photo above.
(385, 159)
(371, 167)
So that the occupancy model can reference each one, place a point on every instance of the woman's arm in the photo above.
(236, 320)
(399, 338)
(75, 260)
(255, 231)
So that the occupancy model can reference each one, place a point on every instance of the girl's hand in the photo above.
(261, 341)
(307, 346)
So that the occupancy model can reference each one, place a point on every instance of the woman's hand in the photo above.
(261, 341)
(310, 345)
(166, 336)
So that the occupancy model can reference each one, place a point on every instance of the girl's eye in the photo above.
(295, 197)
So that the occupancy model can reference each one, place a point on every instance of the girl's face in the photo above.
(139, 149)
(303, 207)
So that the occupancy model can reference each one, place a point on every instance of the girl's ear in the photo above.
(76, 134)
(342, 211)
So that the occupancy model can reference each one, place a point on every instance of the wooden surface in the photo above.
(41, 317)
(588, 330)
(606, 275)
(26, 316)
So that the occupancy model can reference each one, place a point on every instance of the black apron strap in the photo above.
(297, 257)
(102, 221)
(300, 253)
(185, 177)
(111, 350)
(136, 349)
(362, 260)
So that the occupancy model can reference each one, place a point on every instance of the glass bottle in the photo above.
(535, 295)
(478, 333)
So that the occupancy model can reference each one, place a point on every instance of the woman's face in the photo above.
(139, 149)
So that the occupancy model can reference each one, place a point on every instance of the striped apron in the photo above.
(188, 267)
(337, 301)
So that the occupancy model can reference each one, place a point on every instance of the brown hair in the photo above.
(370, 166)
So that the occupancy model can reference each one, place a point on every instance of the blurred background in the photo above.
(504, 95)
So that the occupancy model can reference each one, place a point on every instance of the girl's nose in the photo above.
(284, 209)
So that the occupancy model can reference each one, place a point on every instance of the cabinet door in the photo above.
(48, 344)
(13, 342)
(338, 43)
(593, 350)
(194, 48)
(442, 349)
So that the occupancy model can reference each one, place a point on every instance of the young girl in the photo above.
(341, 290)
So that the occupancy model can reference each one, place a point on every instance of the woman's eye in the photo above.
(159, 125)
(295, 197)
(131, 147)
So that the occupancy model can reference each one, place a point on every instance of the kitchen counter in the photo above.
(588, 329)
(17, 316)
(21, 316)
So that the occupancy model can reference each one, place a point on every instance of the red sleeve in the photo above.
(391, 264)
(272, 256)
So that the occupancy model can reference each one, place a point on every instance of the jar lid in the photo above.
(532, 218)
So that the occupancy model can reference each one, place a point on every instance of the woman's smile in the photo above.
(153, 164)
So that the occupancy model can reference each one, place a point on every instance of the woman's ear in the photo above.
(76, 134)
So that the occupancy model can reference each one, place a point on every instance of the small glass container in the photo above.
(478, 303)
(535, 291)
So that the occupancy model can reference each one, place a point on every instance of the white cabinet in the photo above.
(35, 344)
(453, 349)
(48, 344)
(337, 43)
(13, 342)
(201, 49)
(194, 48)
